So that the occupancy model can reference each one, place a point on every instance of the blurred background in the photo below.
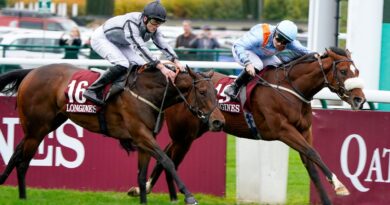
(34, 28)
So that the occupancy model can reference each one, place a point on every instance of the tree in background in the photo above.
(286, 9)
(3, 3)
(194, 9)
(100, 7)
(125, 6)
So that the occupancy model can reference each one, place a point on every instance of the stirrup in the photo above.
(232, 91)
(92, 96)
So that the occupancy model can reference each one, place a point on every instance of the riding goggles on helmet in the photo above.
(281, 39)
(156, 22)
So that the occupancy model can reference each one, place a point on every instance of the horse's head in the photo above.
(200, 97)
(343, 79)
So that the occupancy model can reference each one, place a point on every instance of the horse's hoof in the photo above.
(133, 192)
(342, 191)
(174, 201)
(190, 201)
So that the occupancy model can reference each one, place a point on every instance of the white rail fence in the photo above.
(263, 180)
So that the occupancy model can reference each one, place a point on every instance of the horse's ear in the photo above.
(349, 55)
(189, 70)
(210, 74)
(328, 52)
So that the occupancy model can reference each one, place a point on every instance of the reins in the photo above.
(339, 89)
(195, 110)
(158, 121)
(278, 87)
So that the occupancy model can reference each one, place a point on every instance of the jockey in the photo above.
(261, 46)
(122, 41)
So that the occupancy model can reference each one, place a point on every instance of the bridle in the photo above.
(203, 116)
(195, 110)
(339, 89)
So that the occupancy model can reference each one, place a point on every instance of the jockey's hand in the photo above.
(179, 65)
(166, 72)
(250, 69)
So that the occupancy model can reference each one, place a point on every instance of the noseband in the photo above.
(204, 117)
(339, 89)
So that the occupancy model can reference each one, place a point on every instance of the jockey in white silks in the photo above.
(122, 41)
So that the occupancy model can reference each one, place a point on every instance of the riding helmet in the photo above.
(288, 30)
(155, 10)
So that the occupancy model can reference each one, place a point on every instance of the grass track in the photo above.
(297, 193)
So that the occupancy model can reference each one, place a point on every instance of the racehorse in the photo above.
(129, 117)
(281, 109)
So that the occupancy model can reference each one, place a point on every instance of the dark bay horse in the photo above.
(278, 114)
(130, 116)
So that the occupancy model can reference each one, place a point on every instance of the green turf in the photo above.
(297, 194)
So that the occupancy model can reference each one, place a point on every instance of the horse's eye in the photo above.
(202, 92)
(343, 72)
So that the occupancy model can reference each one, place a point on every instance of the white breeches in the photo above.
(257, 62)
(117, 55)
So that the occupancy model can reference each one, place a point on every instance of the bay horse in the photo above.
(130, 116)
(278, 114)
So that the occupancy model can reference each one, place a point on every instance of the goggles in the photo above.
(156, 22)
(282, 40)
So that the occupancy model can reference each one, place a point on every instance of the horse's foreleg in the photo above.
(312, 171)
(176, 152)
(168, 165)
(143, 162)
(338, 187)
(15, 159)
(148, 144)
(157, 170)
(295, 140)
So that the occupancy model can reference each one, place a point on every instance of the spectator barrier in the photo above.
(356, 147)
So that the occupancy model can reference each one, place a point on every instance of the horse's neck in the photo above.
(308, 77)
(149, 85)
(183, 83)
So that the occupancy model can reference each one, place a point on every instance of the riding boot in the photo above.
(95, 92)
(233, 89)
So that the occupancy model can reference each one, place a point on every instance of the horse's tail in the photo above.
(10, 81)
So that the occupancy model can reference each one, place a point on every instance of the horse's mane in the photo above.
(337, 50)
(308, 58)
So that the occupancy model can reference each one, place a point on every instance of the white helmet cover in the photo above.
(287, 29)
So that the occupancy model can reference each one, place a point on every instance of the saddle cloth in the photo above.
(241, 107)
(225, 103)
(75, 101)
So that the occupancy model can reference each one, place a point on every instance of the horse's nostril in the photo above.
(357, 99)
(217, 124)
(358, 102)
